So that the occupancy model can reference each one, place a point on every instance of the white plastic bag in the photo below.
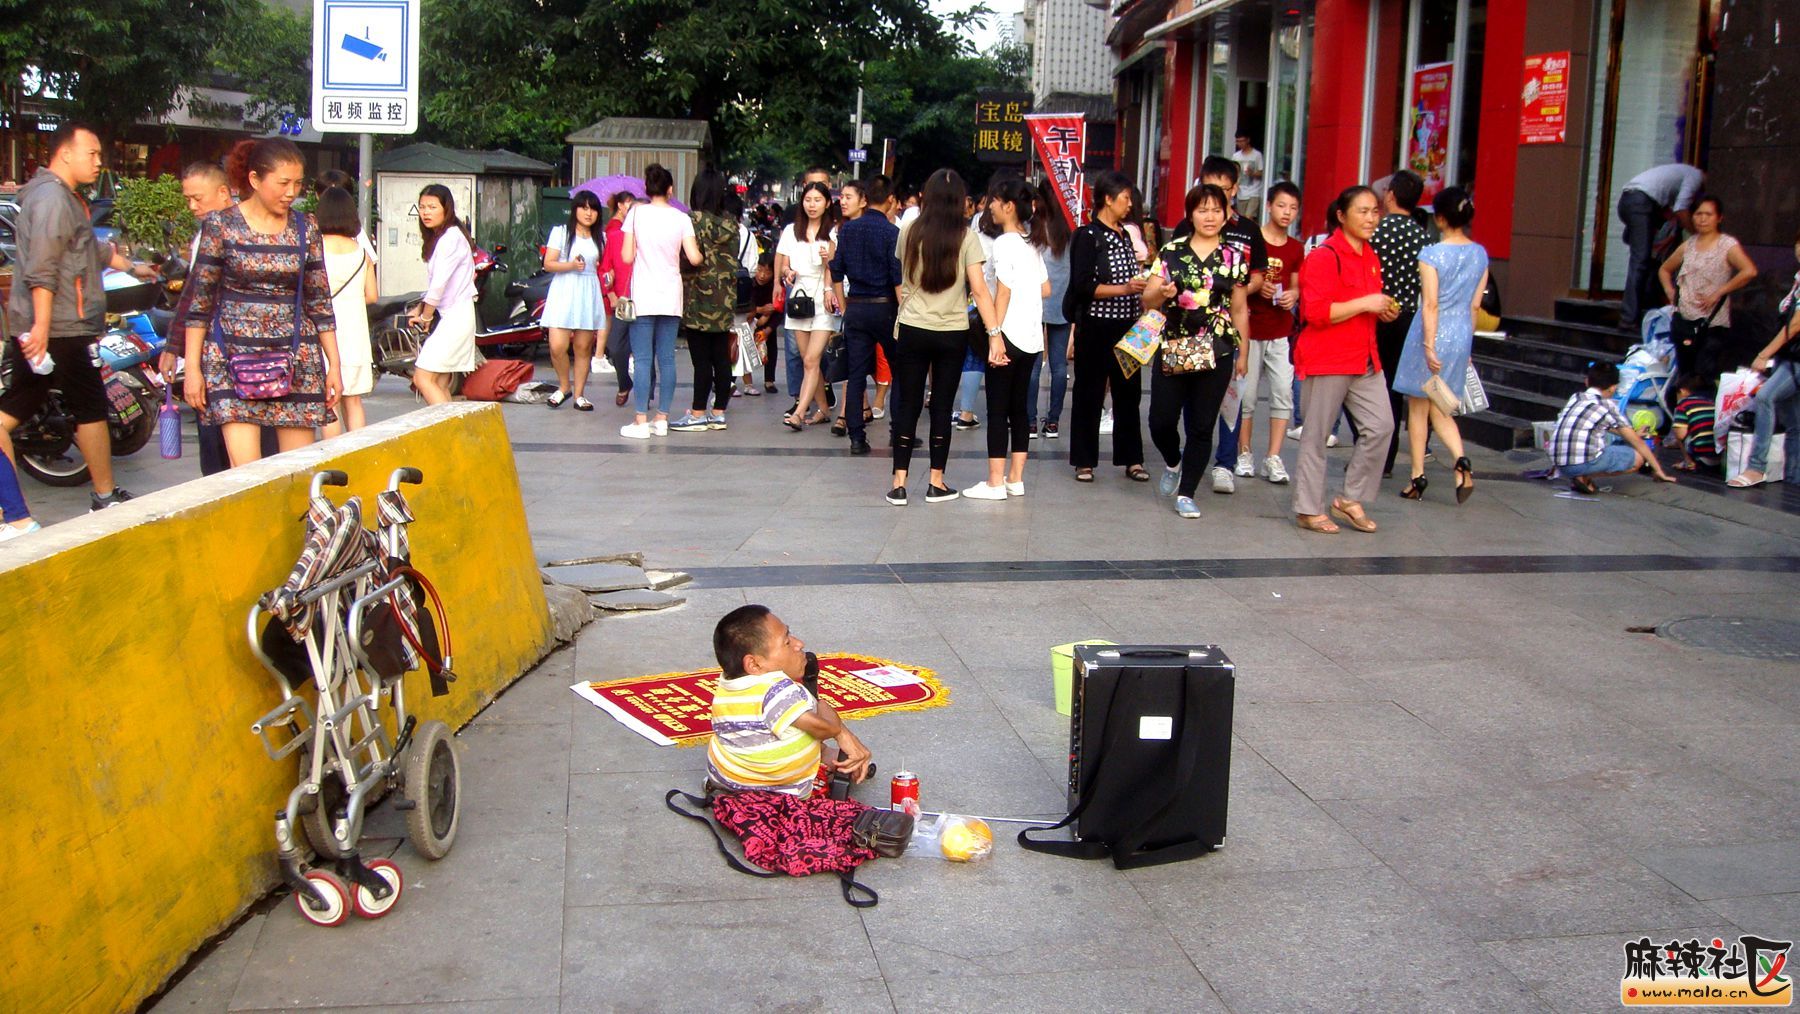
(948, 836)
(1737, 392)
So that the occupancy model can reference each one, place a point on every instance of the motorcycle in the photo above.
(126, 355)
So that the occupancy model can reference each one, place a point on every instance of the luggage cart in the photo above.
(350, 622)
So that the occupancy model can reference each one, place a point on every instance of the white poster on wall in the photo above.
(397, 202)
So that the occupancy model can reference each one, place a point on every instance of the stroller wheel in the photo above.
(370, 907)
(337, 899)
(434, 785)
(321, 821)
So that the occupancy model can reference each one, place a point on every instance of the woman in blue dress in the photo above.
(1452, 274)
(573, 309)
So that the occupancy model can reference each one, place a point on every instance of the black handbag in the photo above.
(800, 305)
(834, 362)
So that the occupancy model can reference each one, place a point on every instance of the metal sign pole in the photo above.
(365, 178)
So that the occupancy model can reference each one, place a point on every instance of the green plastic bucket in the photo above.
(1062, 672)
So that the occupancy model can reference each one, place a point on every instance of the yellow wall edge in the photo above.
(136, 806)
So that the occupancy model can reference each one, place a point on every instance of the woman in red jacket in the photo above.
(615, 283)
(1339, 368)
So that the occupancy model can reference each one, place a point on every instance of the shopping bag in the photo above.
(1737, 455)
(1140, 343)
(1737, 392)
(1233, 402)
(1474, 396)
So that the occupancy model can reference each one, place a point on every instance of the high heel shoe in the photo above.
(1465, 480)
(1415, 491)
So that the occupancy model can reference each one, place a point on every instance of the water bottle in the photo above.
(43, 364)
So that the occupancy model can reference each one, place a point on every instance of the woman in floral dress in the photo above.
(1199, 285)
(254, 284)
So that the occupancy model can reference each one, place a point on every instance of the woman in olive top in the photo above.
(941, 270)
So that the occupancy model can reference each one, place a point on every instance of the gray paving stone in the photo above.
(515, 777)
(1727, 871)
(1177, 989)
(601, 577)
(1775, 915)
(1580, 975)
(640, 600)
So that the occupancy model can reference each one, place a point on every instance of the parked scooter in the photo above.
(509, 335)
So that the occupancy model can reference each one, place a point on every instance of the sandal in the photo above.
(582, 404)
(1352, 512)
(818, 416)
(621, 398)
(1740, 480)
(1316, 523)
(1583, 484)
(792, 423)
(839, 428)
(556, 400)
(1416, 490)
(1136, 473)
(1084, 475)
(1688, 466)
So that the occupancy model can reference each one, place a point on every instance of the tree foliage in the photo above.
(269, 51)
(117, 61)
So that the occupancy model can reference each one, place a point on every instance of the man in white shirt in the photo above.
(1250, 178)
(1664, 194)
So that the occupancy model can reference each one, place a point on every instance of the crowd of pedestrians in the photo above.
(916, 303)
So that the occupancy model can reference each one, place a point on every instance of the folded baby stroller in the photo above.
(349, 623)
(1646, 396)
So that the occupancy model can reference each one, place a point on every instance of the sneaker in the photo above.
(1015, 489)
(878, 413)
(1331, 441)
(635, 431)
(1294, 434)
(716, 422)
(897, 496)
(1246, 465)
(1186, 507)
(940, 494)
(982, 491)
(1222, 481)
(660, 427)
(1274, 471)
(1032, 432)
(1050, 431)
(689, 423)
(1170, 481)
(1106, 423)
(966, 424)
(9, 533)
(602, 366)
(96, 502)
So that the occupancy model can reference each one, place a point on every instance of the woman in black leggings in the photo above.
(1102, 300)
(1199, 286)
(940, 262)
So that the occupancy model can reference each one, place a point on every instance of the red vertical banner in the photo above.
(1428, 134)
(1544, 99)
(1061, 143)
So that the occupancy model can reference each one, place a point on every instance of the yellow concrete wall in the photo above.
(135, 804)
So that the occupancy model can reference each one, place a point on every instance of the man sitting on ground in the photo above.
(767, 727)
(1580, 449)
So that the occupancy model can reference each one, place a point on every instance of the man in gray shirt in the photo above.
(1665, 193)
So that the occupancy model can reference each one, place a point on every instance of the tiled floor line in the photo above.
(1002, 571)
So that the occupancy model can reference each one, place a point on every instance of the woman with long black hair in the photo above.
(709, 294)
(1102, 302)
(941, 270)
(574, 309)
(449, 296)
(803, 264)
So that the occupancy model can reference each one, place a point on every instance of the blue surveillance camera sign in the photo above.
(366, 66)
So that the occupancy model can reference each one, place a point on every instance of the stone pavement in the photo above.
(1457, 782)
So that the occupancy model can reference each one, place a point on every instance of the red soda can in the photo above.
(905, 790)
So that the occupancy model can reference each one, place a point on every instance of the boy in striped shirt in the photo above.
(767, 726)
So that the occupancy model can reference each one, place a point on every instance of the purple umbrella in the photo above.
(604, 187)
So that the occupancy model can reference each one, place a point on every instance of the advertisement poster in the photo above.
(1061, 143)
(1000, 126)
(1428, 133)
(1544, 102)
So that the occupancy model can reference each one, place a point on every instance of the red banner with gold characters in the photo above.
(675, 708)
(1061, 143)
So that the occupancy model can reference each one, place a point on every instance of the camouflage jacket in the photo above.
(710, 290)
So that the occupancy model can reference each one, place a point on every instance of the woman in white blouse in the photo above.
(802, 263)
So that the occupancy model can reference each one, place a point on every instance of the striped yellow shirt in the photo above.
(755, 744)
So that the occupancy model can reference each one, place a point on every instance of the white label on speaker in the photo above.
(1156, 727)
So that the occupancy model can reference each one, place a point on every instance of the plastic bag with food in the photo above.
(949, 836)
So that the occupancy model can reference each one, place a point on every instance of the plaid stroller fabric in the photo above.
(335, 542)
(787, 834)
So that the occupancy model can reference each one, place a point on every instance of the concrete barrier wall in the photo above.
(136, 806)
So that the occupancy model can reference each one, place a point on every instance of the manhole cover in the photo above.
(1775, 640)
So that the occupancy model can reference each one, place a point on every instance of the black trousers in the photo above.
(1390, 339)
(1097, 369)
(710, 352)
(1192, 400)
(1009, 400)
(618, 353)
(867, 326)
(919, 354)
